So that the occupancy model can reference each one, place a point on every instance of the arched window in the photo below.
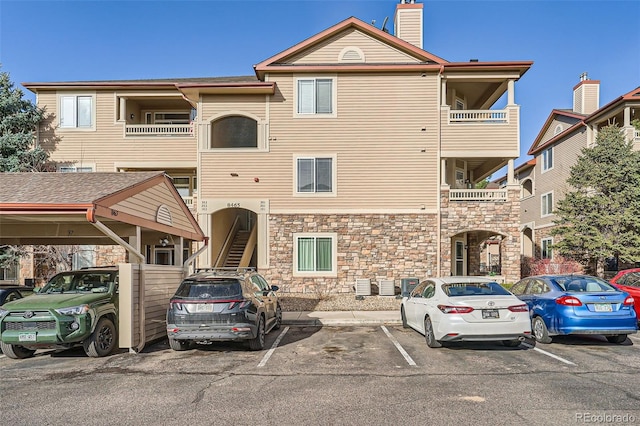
(527, 188)
(234, 131)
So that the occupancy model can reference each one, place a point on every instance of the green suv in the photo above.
(74, 308)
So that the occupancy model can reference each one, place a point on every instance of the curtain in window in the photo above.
(306, 174)
(323, 96)
(67, 111)
(323, 254)
(306, 99)
(84, 111)
(305, 254)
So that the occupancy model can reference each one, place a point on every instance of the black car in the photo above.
(217, 304)
(14, 292)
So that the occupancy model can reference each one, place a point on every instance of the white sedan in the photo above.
(464, 308)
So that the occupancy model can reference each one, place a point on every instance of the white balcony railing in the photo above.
(478, 116)
(636, 135)
(478, 195)
(158, 130)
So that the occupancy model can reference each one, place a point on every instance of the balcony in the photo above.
(161, 130)
(480, 133)
(487, 195)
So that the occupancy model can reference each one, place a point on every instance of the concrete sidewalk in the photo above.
(336, 318)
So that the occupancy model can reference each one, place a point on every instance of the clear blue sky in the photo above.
(43, 41)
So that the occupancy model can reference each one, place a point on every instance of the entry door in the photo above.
(459, 265)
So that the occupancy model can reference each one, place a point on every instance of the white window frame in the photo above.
(545, 247)
(72, 125)
(334, 97)
(334, 175)
(547, 159)
(334, 254)
(72, 168)
(544, 203)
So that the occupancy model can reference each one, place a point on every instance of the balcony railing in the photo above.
(478, 195)
(189, 201)
(478, 116)
(636, 135)
(158, 130)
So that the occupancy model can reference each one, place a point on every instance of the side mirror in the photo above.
(275, 288)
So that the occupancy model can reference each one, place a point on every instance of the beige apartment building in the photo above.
(351, 155)
(556, 149)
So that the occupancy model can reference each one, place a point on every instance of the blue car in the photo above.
(576, 304)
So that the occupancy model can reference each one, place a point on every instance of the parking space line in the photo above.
(266, 356)
(566, 361)
(404, 353)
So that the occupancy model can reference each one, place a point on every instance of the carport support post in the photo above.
(125, 307)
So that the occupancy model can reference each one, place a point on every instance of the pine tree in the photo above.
(599, 217)
(19, 119)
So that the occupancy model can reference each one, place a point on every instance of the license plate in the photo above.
(490, 313)
(603, 307)
(204, 307)
(27, 337)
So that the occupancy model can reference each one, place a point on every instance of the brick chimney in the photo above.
(407, 22)
(586, 95)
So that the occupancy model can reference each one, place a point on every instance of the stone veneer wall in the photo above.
(499, 217)
(375, 246)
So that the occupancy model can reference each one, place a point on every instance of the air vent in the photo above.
(351, 54)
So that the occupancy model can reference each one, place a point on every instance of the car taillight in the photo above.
(519, 308)
(241, 303)
(568, 301)
(629, 301)
(176, 305)
(455, 309)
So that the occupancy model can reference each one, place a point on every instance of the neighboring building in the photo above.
(556, 149)
(352, 154)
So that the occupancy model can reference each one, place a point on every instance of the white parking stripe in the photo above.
(273, 348)
(404, 353)
(566, 361)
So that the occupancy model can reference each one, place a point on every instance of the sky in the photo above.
(54, 41)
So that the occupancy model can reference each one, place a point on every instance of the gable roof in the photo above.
(350, 23)
(538, 145)
(55, 198)
(632, 96)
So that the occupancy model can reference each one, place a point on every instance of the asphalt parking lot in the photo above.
(339, 374)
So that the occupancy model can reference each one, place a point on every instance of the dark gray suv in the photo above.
(218, 304)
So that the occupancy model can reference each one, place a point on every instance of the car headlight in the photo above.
(73, 310)
(3, 313)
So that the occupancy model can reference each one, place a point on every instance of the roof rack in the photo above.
(98, 267)
(225, 270)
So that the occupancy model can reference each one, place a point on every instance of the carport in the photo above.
(132, 210)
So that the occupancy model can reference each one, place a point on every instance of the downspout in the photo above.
(190, 259)
(439, 184)
(91, 219)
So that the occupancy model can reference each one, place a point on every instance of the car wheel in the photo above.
(178, 345)
(278, 323)
(16, 351)
(404, 318)
(511, 343)
(429, 336)
(257, 343)
(540, 332)
(617, 338)
(103, 339)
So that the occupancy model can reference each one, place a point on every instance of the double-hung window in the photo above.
(76, 111)
(315, 254)
(546, 248)
(546, 207)
(547, 159)
(314, 175)
(315, 96)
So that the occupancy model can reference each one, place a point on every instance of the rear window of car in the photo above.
(209, 289)
(470, 289)
(584, 285)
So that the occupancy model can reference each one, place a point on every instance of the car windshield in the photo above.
(583, 284)
(79, 282)
(209, 289)
(470, 289)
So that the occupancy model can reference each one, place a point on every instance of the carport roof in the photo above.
(59, 208)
